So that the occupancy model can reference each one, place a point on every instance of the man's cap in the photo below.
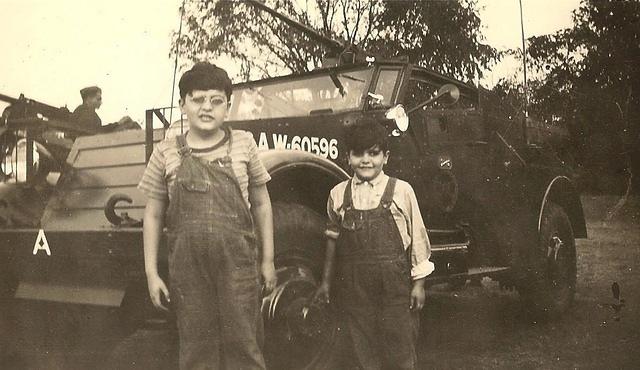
(89, 91)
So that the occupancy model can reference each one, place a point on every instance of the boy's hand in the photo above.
(418, 296)
(269, 277)
(322, 293)
(157, 288)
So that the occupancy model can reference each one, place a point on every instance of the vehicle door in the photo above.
(455, 158)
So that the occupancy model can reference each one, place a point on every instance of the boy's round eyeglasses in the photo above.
(215, 101)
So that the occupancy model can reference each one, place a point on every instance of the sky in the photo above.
(52, 49)
(501, 26)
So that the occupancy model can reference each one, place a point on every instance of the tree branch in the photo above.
(345, 18)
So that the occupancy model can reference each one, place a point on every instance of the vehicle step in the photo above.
(448, 239)
(484, 270)
(449, 247)
(472, 272)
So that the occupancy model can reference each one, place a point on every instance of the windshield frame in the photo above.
(364, 104)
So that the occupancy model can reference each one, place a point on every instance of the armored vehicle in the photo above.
(496, 203)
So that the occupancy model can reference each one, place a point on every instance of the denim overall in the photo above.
(374, 286)
(213, 269)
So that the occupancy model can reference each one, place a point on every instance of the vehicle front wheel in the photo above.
(299, 334)
(549, 287)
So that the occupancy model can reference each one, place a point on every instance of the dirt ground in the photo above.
(476, 327)
(483, 327)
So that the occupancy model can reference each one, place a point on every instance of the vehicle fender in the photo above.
(280, 160)
(301, 177)
(561, 191)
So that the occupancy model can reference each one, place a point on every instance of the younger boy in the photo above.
(379, 243)
(211, 187)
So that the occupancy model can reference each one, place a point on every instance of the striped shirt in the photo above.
(159, 176)
(404, 209)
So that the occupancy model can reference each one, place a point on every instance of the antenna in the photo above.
(175, 67)
(526, 89)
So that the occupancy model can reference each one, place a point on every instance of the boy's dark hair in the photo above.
(204, 76)
(365, 134)
(88, 92)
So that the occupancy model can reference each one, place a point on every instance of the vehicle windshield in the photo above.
(302, 96)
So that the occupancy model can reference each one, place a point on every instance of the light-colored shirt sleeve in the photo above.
(333, 224)
(421, 266)
(258, 175)
(153, 182)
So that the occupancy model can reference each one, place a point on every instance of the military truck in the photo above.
(496, 203)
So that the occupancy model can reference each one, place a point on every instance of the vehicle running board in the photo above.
(444, 237)
(472, 272)
(449, 247)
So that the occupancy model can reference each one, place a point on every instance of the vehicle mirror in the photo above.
(399, 116)
(375, 98)
(448, 94)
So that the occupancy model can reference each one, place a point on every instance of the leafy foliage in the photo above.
(586, 79)
(442, 35)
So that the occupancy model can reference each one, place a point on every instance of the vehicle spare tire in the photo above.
(298, 333)
(549, 288)
(298, 236)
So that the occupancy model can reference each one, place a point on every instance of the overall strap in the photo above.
(347, 202)
(226, 160)
(387, 196)
(227, 129)
(183, 148)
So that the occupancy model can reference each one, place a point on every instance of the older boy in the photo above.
(379, 243)
(211, 187)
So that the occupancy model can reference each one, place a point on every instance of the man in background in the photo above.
(85, 115)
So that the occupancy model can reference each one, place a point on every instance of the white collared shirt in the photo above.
(404, 208)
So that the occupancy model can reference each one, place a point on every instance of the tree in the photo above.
(587, 80)
(442, 35)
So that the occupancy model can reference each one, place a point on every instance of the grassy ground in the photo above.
(483, 327)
